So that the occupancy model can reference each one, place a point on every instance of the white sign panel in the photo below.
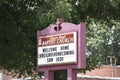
(57, 49)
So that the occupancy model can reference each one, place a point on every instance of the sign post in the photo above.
(61, 46)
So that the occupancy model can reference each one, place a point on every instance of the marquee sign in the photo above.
(57, 49)
(61, 46)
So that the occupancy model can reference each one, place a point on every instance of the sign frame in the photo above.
(66, 27)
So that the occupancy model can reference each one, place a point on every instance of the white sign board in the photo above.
(57, 49)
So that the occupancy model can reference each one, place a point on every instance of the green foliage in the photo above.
(17, 33)
(102, 18)
(20, 19)
(51, 10)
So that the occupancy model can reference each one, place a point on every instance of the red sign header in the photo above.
(56, 39)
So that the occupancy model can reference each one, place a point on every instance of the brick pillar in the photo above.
(49, 74)
(71, 74)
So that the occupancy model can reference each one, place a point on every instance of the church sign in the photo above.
(61, 46)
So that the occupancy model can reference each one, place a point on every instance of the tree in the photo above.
(103, 22)
(20, 19)
(18, 36)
